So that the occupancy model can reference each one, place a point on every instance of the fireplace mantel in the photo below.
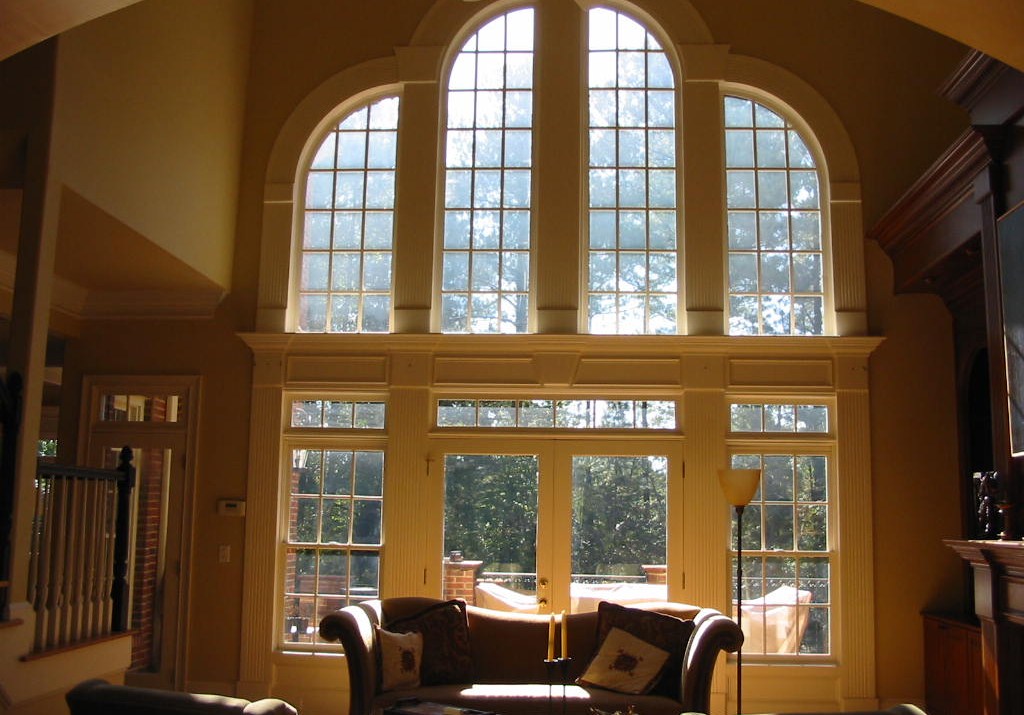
(999, 603)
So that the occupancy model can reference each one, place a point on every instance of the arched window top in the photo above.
(633, 246)
(348, 226)
(775, 224)
(485, 282)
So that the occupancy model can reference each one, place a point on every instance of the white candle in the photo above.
(551, 638)
(565, 637)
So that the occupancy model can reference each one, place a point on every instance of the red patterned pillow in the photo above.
(445, 630)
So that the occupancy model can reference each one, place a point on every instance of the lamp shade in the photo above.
(739, 485)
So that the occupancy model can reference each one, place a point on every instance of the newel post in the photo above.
(119, 589)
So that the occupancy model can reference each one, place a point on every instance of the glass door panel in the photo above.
(619, 534)
(490, 530)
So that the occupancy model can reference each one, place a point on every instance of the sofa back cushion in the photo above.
(446, 645)
(510, 647)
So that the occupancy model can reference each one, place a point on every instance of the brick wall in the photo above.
(656, 573)
(460, 579)
(148, 527)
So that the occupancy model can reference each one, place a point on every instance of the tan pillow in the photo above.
(401, 655)
(625, 664)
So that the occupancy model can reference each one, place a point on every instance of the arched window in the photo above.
(345, 279)
(632, 252)
(776, 271)
(485, 281)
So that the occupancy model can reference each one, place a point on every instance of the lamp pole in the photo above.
(739, 487)
(739, 605)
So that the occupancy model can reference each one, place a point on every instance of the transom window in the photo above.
(768, 417)
(345, 280)
(567, 414)
(485, 280)
(776, 283)
(632, 284)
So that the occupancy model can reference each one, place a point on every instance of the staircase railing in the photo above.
(78, 567)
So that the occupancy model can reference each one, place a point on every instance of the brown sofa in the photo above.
(508, 651)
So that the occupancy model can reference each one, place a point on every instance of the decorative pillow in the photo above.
(445, 630)
(400, 657)
(666, 632)
(625, 664)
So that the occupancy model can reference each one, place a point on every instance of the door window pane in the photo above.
(490, 530)
(618, 530)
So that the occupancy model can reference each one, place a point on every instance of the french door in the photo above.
(545, 525)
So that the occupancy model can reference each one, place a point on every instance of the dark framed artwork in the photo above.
(1011, 280)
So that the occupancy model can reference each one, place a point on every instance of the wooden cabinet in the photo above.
(952, 666)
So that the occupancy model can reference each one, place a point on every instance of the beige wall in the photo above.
(150, 105)
(211, 350)
(915, 474)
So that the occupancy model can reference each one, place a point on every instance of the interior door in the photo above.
(154, 568)
(551, 525)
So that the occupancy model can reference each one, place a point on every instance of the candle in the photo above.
(565, 637)
(551, 638)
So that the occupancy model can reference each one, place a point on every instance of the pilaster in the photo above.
(260, 577)
(854, 586)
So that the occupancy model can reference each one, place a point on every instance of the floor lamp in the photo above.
(739, 486)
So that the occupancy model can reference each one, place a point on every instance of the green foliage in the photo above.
(619, 508)
(491, 510)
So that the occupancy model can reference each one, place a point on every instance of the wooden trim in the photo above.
(28, 657)
(972, 79)
(946, 184)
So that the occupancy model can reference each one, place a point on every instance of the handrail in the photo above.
(78, 568)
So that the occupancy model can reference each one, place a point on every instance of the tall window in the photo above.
(345, 283)
(335, 514)
(776, 284)
(787, 565)
(632, 249)
(486, 255)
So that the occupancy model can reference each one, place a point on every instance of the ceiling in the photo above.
(994, 26)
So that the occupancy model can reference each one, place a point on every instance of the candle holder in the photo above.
(558, 671)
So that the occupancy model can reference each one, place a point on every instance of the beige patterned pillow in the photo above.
(625, 664)
(401, 655)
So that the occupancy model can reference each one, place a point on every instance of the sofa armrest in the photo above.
(353, 626)
(269, 706)
(98, 697)
(713, 633)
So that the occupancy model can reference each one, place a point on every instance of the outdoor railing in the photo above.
(78, 568)
(521, 581)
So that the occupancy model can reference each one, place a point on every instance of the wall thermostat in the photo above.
(231, 507)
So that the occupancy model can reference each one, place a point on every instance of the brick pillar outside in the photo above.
(656, 573)
(149, 483)
(460, 579)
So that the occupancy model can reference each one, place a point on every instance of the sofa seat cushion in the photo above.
(532, 698)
